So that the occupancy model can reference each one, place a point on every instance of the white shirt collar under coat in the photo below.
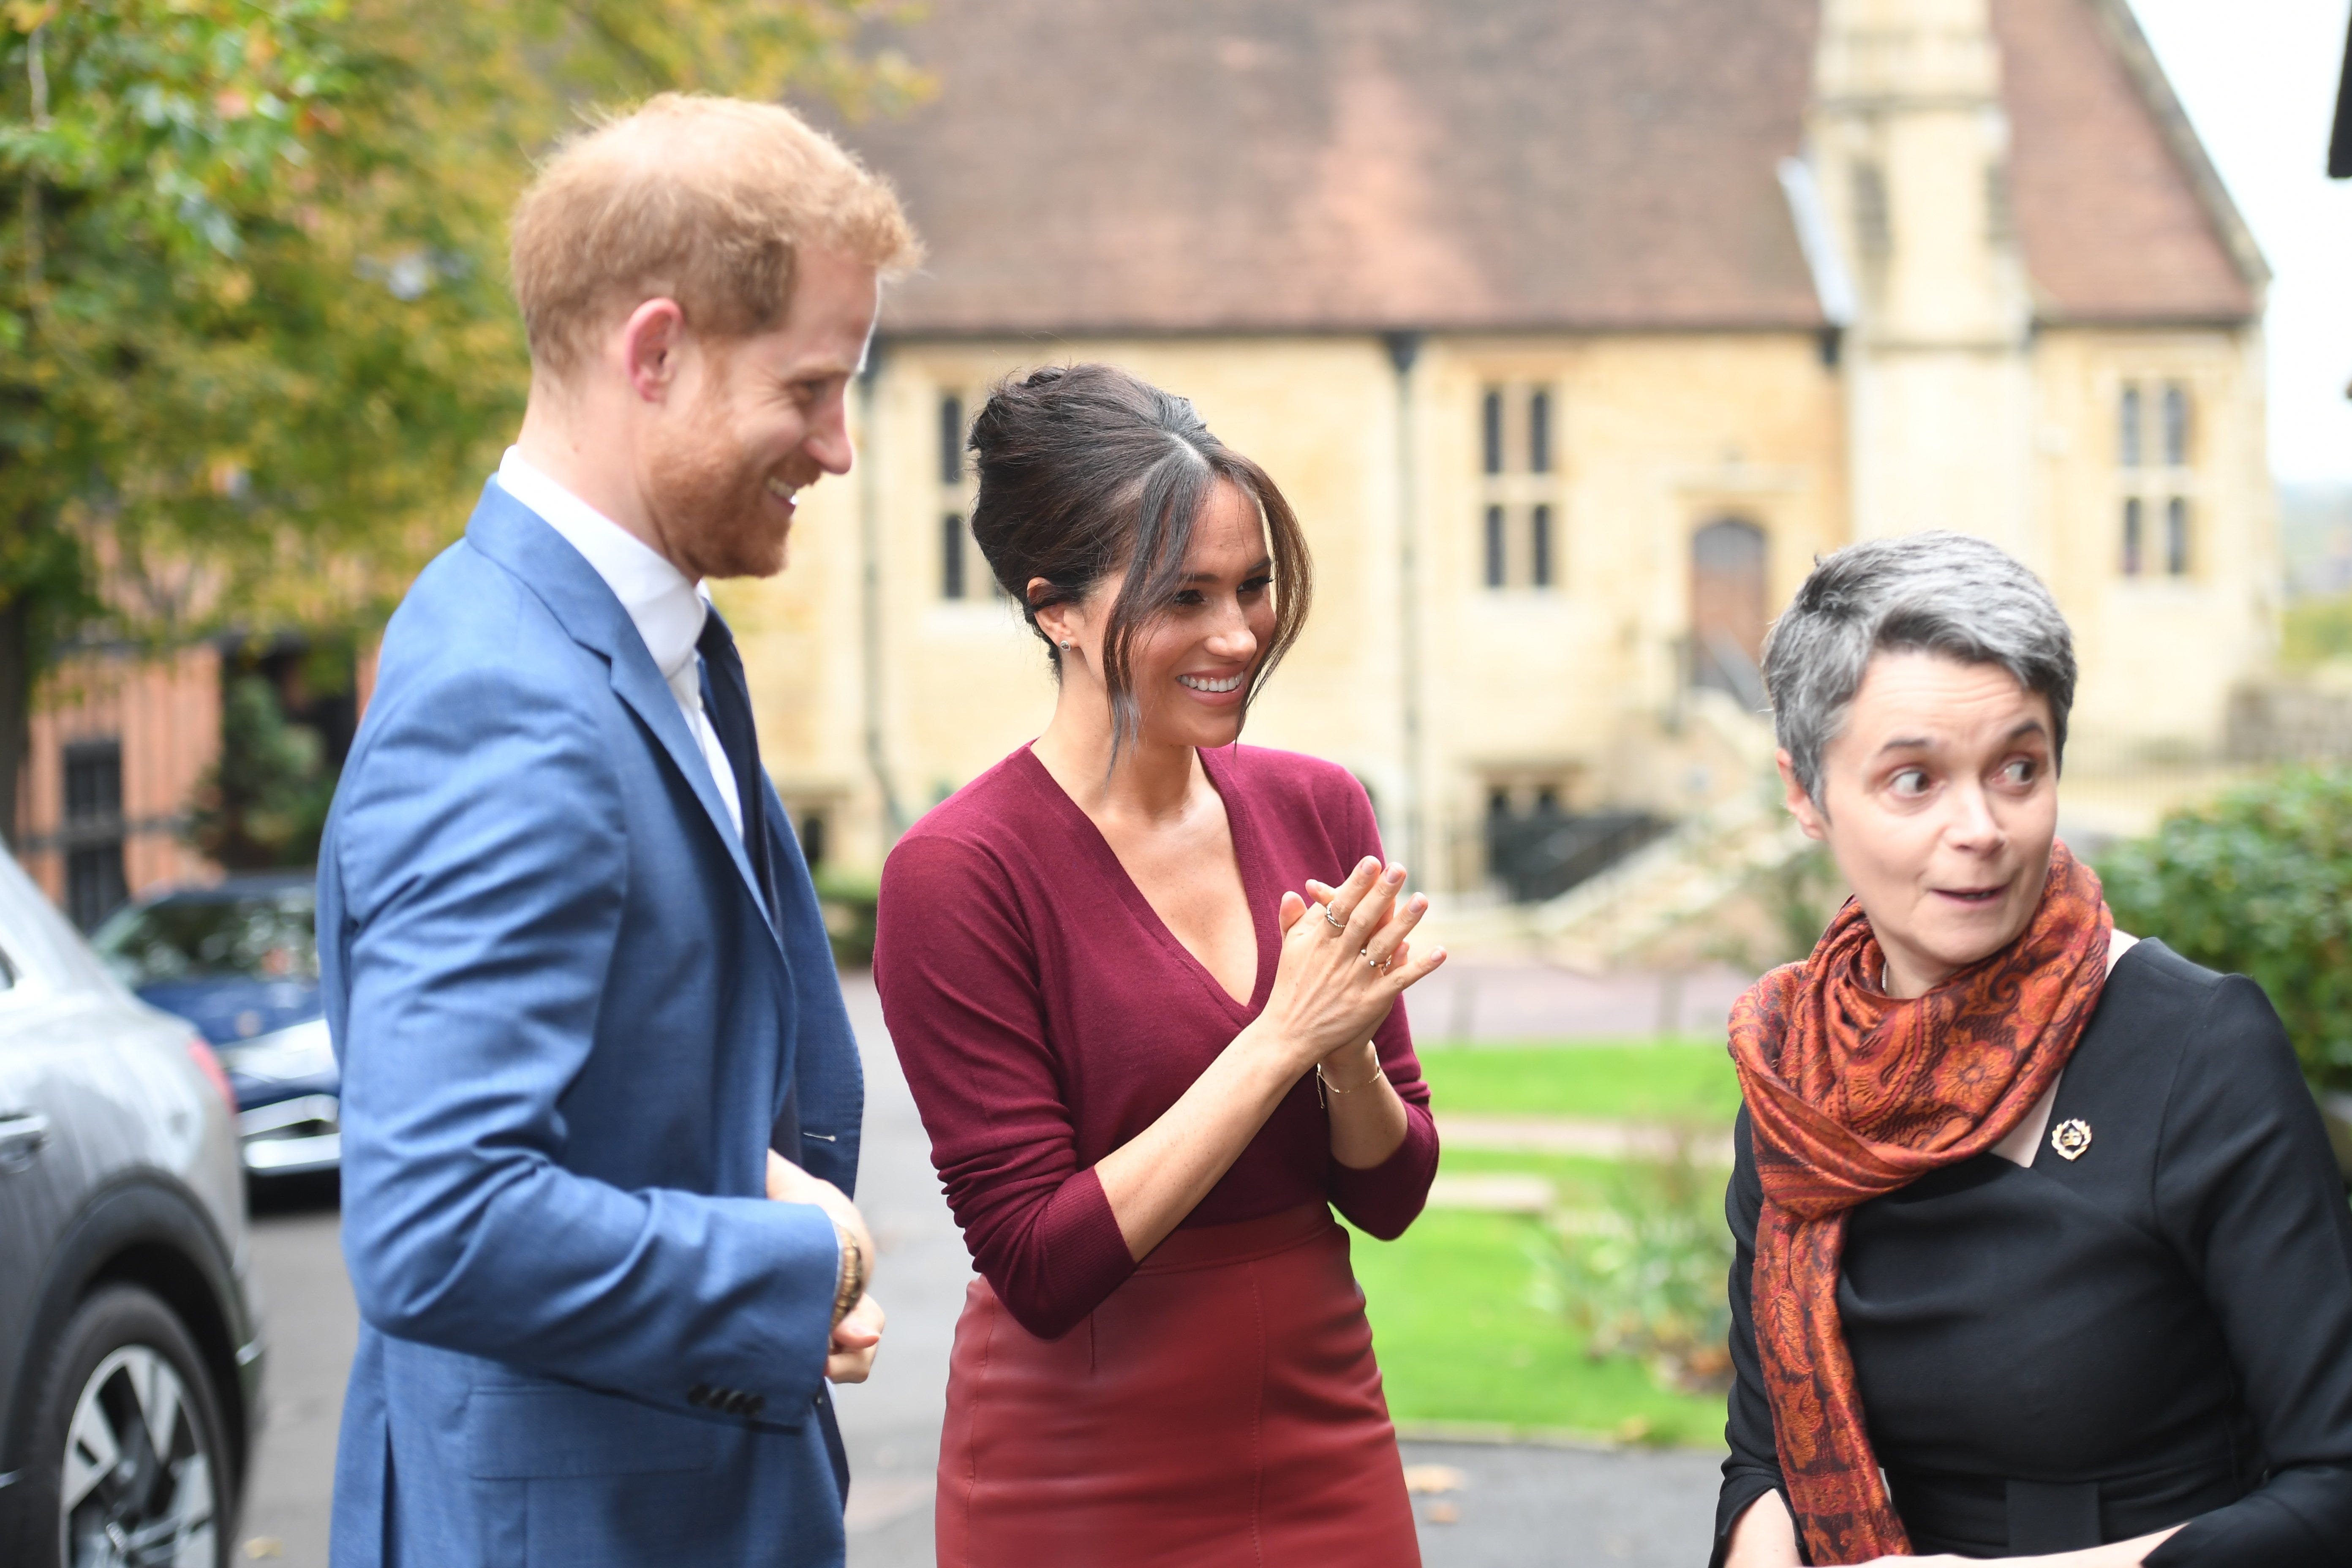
(668, 610)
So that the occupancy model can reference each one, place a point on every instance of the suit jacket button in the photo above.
(698, 1395)
(759, 1403)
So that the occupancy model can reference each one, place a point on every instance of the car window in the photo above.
(265, 937)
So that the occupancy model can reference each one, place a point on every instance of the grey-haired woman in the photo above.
(2041, 1252)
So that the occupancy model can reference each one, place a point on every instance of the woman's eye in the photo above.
(2020, 773)
(1254, 586)
(1909, 781)
(1188, 597)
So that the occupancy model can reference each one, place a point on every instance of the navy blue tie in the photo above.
(727, 701)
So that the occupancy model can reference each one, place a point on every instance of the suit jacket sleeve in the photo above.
(2249, 1193)
(479, 842)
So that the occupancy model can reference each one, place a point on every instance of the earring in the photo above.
(1066, 645)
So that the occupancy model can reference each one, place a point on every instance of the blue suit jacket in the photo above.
(567, 1028)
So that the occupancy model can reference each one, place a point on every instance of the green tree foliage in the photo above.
(255, 351)
(264, 802)
(2259, 883)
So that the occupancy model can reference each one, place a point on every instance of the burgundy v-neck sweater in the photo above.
(1045, 1016)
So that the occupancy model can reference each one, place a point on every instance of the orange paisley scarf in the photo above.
(1853, 1094)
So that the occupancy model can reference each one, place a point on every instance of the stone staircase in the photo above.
(1608, 920)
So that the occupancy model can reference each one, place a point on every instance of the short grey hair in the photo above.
(1949, 594)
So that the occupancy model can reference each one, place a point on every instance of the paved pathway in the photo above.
(1467, 1000)
(891, 1423)
(1525, 1506)
(312, 1326)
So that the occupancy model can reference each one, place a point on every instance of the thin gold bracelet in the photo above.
(1322, 1083)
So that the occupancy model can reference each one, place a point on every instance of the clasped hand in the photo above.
(1344, 962)
(851, 1356)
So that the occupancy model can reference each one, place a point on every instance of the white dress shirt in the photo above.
(667, 611)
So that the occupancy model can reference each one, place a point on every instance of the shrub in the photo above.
(848, 902)
(1644, 1277)
(2258, 882)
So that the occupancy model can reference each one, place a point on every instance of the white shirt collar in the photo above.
(668, 610)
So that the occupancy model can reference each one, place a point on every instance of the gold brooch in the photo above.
(2070, 1138)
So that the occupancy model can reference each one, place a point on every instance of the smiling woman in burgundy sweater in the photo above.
(1151, 1041)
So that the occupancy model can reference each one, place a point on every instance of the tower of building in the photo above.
(1908, 144)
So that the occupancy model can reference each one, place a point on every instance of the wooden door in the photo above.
(1727, 608)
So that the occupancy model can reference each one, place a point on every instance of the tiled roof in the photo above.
(2121, 216)
(1091, 166)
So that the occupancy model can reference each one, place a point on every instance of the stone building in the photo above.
(1572, 332)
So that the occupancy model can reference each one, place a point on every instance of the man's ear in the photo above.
(1811, 817)
(651, 342)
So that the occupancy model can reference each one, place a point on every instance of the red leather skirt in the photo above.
(1222, 1406)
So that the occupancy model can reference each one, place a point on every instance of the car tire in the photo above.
(124, 1370)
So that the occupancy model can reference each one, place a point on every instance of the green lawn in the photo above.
(1461, 1337)
(1461, 1332)
(1666, 1081)
(1580, 1179)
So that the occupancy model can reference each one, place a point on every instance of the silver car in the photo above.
(130, 1362)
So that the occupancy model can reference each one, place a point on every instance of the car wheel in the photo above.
(127, 1468)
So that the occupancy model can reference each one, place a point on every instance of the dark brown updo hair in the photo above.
(1085, 469)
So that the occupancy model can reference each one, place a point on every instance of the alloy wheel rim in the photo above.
(136, 1491)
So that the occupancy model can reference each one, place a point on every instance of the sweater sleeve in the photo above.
(957, 971)
(1753, 1465)
(1383, 1200)
(1387, 1197)
(2248, 1192)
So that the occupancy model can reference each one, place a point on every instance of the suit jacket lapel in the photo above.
(513, 535)
(637, 683)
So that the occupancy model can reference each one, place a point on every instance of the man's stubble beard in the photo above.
(713, 500)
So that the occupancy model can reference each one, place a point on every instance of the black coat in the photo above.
(2064, 1354)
